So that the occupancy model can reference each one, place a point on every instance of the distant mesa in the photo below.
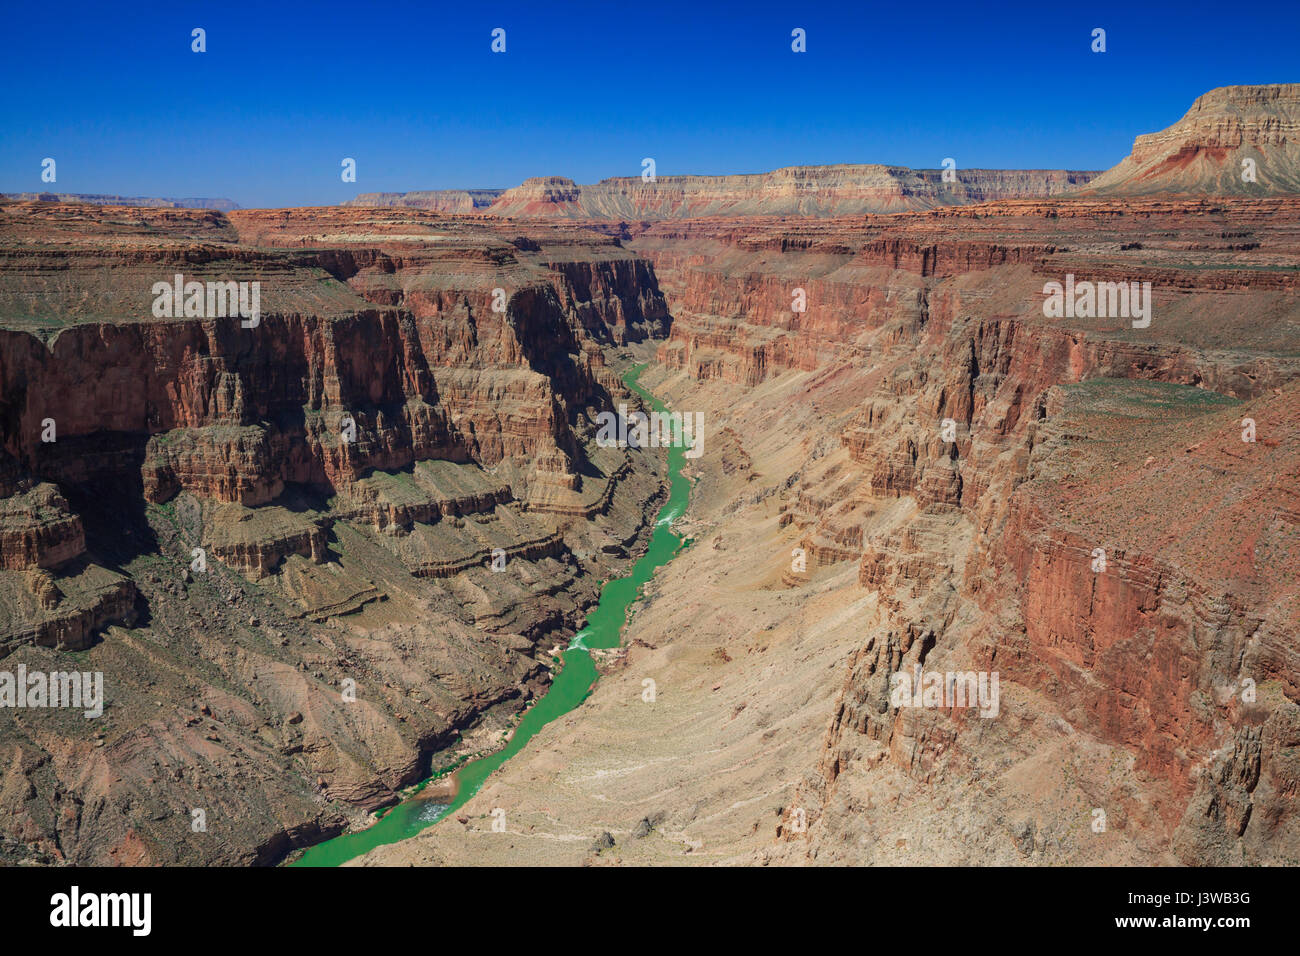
(436, 200)
(102, 200)
(840, 190)
(1234, 141)
(793, 191)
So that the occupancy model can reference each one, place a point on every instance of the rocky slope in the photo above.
(1234, 141)
(276, 543)
(1071, 435)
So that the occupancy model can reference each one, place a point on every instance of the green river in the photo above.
(571, 685)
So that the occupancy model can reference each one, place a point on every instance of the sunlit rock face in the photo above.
(1234, 141)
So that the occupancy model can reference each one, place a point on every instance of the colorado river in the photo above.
(570, 688)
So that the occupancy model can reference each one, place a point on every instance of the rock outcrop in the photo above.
(1234, 141)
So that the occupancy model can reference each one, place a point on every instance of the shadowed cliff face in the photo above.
(308, 551)
(460, 346)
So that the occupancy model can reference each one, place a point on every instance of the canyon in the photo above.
(919, 468)
(1158, 696)
(1236, 140)
(291, 624)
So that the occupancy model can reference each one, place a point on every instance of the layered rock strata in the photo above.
(1234, 141)
(315, 551)
(794, 191)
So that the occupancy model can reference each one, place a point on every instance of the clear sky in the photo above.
(412, 91)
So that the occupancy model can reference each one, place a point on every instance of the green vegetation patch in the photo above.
(1134, 398)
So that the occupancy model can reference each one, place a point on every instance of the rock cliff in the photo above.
(978, 552)
(309, 556)
(924, 468)
(920, 464)
(1234, 141)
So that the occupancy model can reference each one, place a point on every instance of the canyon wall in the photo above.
(101, 200)
(310, 552)
(278, 541)
(1069, 440)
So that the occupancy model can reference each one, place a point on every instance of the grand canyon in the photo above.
(329, 555)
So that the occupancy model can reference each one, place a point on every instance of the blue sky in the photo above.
(413, 92)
